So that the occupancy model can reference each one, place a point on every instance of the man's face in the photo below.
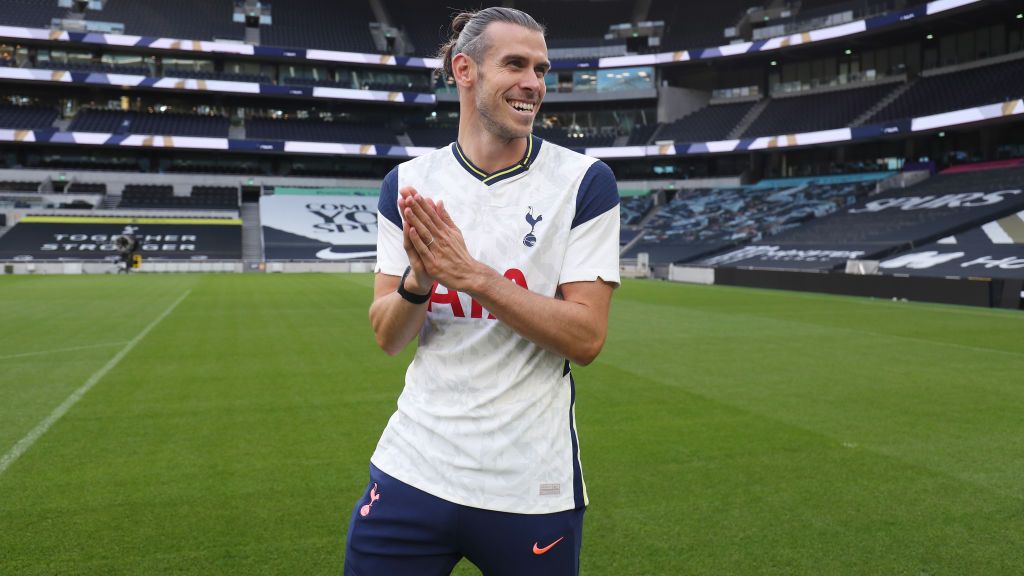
(510, 80)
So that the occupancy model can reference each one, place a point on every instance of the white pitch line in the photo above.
(41, 428)
(57, 350)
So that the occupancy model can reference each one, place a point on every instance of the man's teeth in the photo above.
(521, 106)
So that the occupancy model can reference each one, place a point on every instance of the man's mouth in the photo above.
(521, 105)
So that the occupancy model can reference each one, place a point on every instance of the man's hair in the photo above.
(467, 33)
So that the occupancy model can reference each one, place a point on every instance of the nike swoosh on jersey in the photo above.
(538, 550)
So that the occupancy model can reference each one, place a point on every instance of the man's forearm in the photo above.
(395, 320)
(571, 329)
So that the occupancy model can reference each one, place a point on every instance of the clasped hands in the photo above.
(435, 245)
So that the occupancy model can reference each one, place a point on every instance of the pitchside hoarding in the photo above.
(82, 238)
(994, 250)
(319, 227)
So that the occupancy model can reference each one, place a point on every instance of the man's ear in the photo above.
(463, 69)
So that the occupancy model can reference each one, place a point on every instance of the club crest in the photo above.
(529, 240)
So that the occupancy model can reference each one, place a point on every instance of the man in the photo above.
(501, 253)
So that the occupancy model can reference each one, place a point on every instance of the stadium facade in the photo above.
(864, 147)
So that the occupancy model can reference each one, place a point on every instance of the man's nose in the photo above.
(530, 81)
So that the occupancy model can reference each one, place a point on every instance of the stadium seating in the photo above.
(19, 186)
(567, 30)
(699, 221)
(707, 124)
(87, 188)
(956, 90)
(572, 139)
(689, 25)
(117, 122)
(209, 75)
(433, 137)
(105, 121)
(323, 24)
(26, 117)
(891, 227)
(215, 197)
(31, 13)
(633, 209)
(641, 135)
(100, 67)
(318, 131)
(162, 197)
(191, 19)
(816, 111)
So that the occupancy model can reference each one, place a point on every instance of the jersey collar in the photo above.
(532, 149)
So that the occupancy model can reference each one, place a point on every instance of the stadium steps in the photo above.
(110, 202)
(888, 99)
(750, 118)
(236, 132)
(404, 140)
(252, 237)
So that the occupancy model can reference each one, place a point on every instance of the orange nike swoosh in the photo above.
(538, 550)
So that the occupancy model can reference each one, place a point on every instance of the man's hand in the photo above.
(439, 244)
(419, 281)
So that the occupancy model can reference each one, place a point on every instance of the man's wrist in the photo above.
(410, 291)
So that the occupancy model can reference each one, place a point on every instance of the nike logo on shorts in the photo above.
(538, 550)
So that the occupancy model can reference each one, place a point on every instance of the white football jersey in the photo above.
(486, 418)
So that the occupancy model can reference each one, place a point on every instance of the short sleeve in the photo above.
(593, 250)
(391, 256)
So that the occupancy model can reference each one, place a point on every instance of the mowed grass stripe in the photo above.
(26, 442)
(723, 431)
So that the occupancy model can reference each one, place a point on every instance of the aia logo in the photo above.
(529, 240)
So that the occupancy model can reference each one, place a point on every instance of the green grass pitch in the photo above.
(723, 431)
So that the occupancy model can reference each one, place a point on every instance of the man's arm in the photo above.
(574, 327)
(395, 320)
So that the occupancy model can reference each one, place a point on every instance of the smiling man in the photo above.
(501, 253)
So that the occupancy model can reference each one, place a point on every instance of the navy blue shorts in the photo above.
(398, 530)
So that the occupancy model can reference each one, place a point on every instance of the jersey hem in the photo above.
(468, 504)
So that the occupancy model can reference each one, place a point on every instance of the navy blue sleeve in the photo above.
(598, 194)
(388, 203)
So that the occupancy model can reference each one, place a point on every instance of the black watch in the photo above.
(410, 296)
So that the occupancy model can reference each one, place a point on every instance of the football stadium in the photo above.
(813, 360)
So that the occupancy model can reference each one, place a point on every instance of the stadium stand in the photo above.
(162, 197)
(215, 197)
(27, 117)
(321, 24)
(318, 131)
(683, 27)
(566, 31)
(835, 109)
(189, 19)
(107, 121)
(434, 137)
(209, 75)
(907, 217)
(166, 123)
(699, 221)
(33, 13)
(632, 209)
(641, 134)
(104, 68)
(19, 186)
(180, 125)
(87, 188)
(573, 139)
(955, 90)
(711, 123)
